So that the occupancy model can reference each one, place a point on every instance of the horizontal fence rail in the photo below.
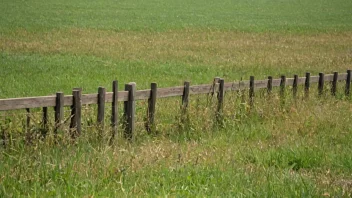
(50, 101)
(218, 87)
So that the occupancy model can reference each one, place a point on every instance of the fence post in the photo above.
(348, 83)
(270, 85)
(59, 111)
(295, 86)
(334, 84)
(219, 111)
(150, 125)
(101, 106)
(307, 85)
(185, 97)
(114, 110)
(282, 86)
(130, 110)
(251, 91)
(321, 84)
(76, 111)
(216, 80)
(28, 123)
(184, 106)
(45, 121)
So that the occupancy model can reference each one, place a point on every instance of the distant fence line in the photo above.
(130, 95)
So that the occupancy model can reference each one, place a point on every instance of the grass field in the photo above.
(296, 149)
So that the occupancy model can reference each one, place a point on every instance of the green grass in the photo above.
(160, 15)
(299, 148)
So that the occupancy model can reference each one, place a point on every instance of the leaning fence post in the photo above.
(76, 111)
(251, 91)
(219, 111)
(321, 84)
(307, 85)
(130, 110)
(114, 110)
(59, 111)
(348, 83)
(295, 86)
(334, 83)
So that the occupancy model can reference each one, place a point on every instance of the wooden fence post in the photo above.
(101, 111)
(76, 113)
(282, 86)
(334, 84)
(28, 123)
(295, 86)
(114, 110)
(45, 121)
(184, 106)
(59, 111)
(270, 85)
(321, 84)
(130, 110)
(216, 80)
(101, 106)
(251, 91)
(307, 85)
(219, 111)
(348, 83)
(185, 97)
(150, 125)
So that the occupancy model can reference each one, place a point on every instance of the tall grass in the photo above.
(297, 148)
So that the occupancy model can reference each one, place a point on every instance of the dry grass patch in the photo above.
(326, 51)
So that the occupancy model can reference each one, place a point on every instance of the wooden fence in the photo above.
(130, 95)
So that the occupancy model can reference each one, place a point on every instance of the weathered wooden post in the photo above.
(307, 85)
(76, 113)
(295, 86)
(321, 84)
(282, 86)
(59, 111)
(114, 110)
(130, 110)
(150, 124)
(334, 84)
(101, 110)
(101, 106)
(28, 123)
(270, 85)
(45, 121)
(348, 83)
(219, 110)
(251, 91)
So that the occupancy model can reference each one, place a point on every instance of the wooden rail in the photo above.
(130, 95)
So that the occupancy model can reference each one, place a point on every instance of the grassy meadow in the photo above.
(290, 148)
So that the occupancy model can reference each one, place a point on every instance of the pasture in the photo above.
(297, 148)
